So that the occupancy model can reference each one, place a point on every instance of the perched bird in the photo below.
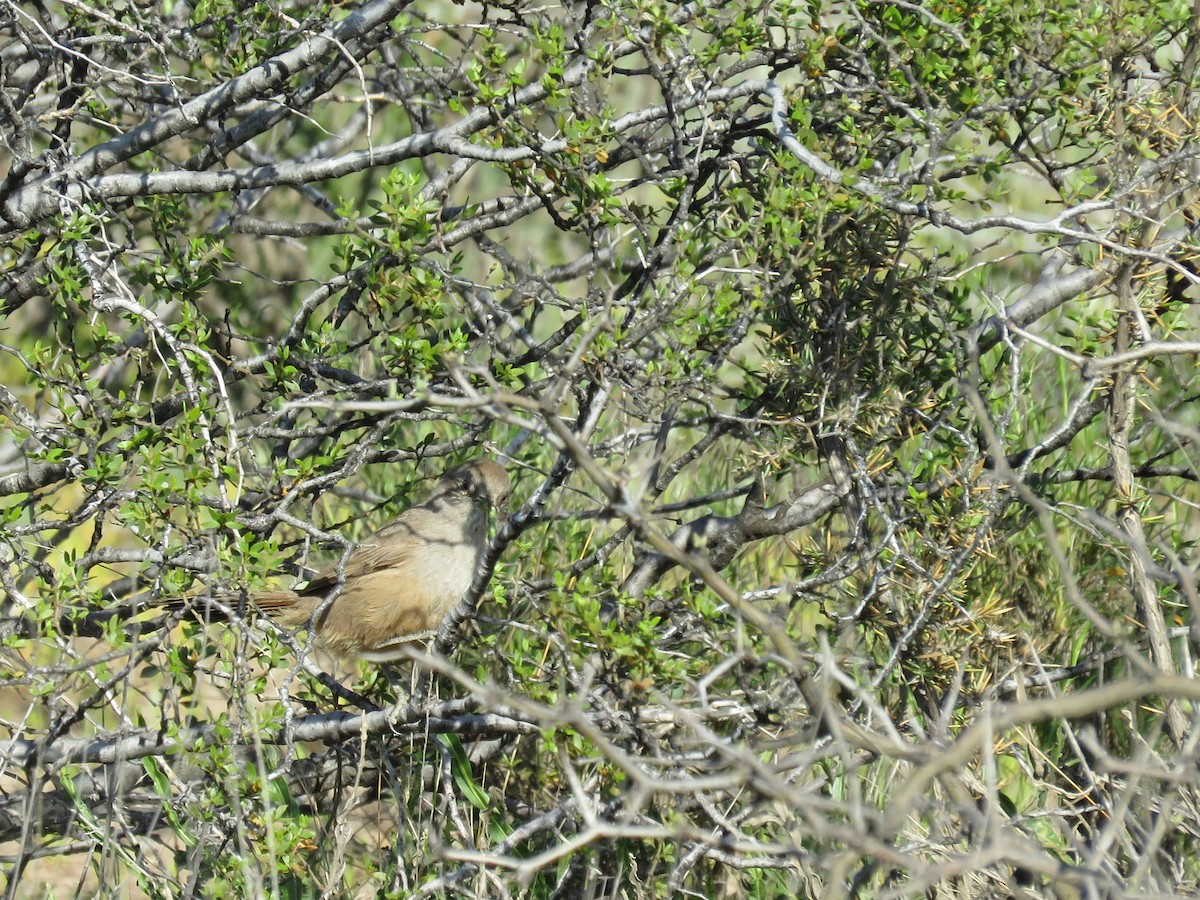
(399, 583)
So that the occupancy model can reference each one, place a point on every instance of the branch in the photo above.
(42, 197)
(994, 721)
(721, 537)
(332, 726)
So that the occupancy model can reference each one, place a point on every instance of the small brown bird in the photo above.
(399, 583)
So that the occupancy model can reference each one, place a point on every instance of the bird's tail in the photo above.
(143, 614)
(146, 614)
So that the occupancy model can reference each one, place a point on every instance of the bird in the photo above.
(398, 584)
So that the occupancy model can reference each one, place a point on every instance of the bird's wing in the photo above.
(389, 548)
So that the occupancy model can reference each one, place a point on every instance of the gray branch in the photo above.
(721, 537)
(41, 198)
(332, 726)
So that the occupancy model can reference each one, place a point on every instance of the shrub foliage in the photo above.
(842, 357)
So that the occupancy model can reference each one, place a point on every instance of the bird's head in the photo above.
(482, 481)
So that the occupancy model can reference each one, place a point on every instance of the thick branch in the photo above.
(721, 537)
(37, 200)
(333, 726)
